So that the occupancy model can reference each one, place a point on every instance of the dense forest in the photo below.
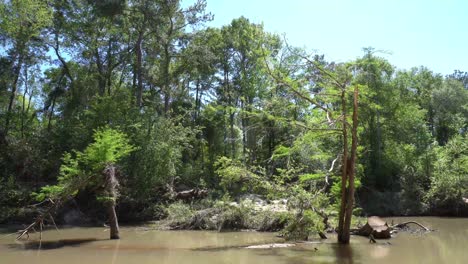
(224, 112)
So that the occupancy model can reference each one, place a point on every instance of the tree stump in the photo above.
(376, 227)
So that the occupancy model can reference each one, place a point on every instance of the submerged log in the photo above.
(375, 226)
(269, 246)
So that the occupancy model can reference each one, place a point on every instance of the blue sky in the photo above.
(433, 33)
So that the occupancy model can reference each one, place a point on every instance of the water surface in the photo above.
(449, 244)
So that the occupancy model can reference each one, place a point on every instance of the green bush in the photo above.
(179, 213)
(306, 219)
(235, 178)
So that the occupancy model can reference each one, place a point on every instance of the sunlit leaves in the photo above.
(83, 169)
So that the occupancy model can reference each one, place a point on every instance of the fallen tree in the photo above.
(93, 169)
(377, 228)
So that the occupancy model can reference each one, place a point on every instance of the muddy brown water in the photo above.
(448, 244)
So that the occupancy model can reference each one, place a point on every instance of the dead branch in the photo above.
(410, 222)
(38, 222)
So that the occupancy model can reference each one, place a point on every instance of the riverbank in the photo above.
(146, 245)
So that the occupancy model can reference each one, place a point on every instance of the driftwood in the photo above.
(377, 228)
(39, 221)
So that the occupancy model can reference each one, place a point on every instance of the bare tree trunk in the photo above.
(14, 89)
(113, 222)
(352, 165)
(101, 78)
(23, 108)
(344, 172)
(197, 99)
(232, 136)
(139, 69)
(166, 69)
(111, 189)
(51, 114)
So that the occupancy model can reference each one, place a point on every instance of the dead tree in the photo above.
(348, 168)
(111, 185)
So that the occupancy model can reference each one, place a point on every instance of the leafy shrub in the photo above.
(178, 213)
(83, 169)
(306, 219)
(236, 178)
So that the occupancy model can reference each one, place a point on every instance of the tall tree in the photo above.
(21, 23)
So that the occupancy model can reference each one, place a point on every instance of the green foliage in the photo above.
(300, 228)
(11, 202)
(24, 19)
(449, 183)
(235, 178)
(159, 159)
(305, 220)
(83, 169)
(450, 104)
(178, 213)
(109, 146)
(234, 110)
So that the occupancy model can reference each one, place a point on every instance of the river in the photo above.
(448, 244)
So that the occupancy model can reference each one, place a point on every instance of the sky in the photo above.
(411, 33)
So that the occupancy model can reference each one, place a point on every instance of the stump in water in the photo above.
(111, 190)
(375, 226)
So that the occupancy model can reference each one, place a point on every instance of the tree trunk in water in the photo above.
(111, 189)
(348, 167)
(113, 222)
(352, 165)
(344, 173)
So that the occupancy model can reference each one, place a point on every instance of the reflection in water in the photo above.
(344, 253)
(447, 245)
(379, 251)
(116, 251)
(47, 245)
